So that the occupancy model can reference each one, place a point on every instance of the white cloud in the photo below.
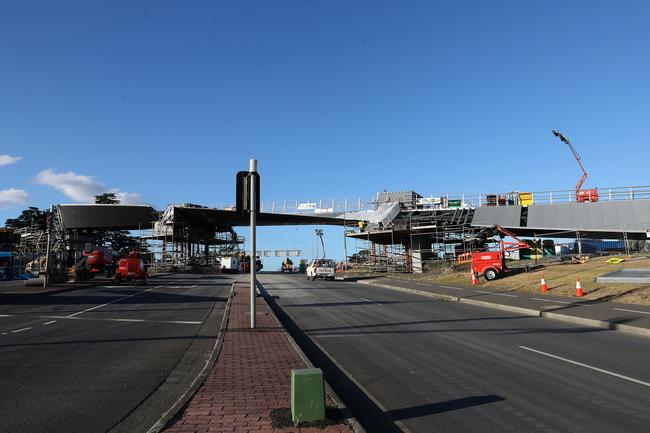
(12, 196)
(8, 160)
(82, 188)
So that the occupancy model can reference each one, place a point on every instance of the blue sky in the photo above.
(164, 101)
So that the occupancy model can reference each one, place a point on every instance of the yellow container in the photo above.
(525, 198)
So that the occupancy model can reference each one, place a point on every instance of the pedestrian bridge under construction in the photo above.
(422, 228)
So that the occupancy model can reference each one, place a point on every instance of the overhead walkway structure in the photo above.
(427, 226)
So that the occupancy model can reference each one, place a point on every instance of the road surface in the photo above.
(81, 361)
(438, 366)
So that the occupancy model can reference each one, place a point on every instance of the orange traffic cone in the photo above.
(579, 292)
(543, 287)
(474, 279)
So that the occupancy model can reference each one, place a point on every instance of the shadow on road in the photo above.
(444, 406)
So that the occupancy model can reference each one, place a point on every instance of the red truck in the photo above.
(492, 264)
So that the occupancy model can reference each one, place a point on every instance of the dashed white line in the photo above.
(5, 315)
(453, 288)
(369, 300)
(632, 311)
(591, 367)
(497, 294)
(21, 330)
(551, 300)
(49, 323)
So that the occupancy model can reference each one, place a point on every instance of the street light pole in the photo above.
(253, 222)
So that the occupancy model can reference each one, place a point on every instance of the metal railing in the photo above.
(450, 200)
(311, 207)
(514, 198)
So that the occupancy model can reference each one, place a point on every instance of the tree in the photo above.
(30, 217)
(117, 240)
(107, 198)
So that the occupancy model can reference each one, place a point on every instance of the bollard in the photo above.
(307, 395)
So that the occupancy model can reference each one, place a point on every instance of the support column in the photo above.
(420, 251)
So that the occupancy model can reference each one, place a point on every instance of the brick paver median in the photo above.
(250, 378)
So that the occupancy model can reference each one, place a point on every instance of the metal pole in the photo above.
(253, 222)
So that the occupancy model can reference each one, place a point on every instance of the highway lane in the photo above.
(450, 367)
(83, 360)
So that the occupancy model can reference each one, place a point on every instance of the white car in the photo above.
(321, 268)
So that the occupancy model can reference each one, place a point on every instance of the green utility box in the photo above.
(307, 395)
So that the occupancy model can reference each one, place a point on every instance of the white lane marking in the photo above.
(5, 315)
(21, 330)
(580, 364)
(49, 323)
(551, 300)
(497, 294)
(368, 300)
(561, 302)
(113, 301)
(112, 319)
(453, 288)
(632, 311)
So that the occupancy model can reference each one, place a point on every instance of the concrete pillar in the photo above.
(420, 251)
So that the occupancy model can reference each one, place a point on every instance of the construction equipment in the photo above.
(492, 264)
(131, 268)
(287, 266)
(582, 195)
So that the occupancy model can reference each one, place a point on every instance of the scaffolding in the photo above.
(175, 246)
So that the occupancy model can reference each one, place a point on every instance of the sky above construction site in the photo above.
(162, 102)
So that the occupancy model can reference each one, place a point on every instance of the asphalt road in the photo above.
(81, 361)
(438, 366)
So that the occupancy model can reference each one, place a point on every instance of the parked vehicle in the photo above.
(229, 264)
(98, 259)
(131, 268)
(287, 266)
(321, 268)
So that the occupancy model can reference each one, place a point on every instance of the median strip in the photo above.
(251, 377)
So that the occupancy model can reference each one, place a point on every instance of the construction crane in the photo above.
(582, 195)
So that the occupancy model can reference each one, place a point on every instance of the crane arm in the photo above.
(576, 155)
(513, 246)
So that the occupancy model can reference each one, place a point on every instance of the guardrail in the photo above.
(514, 198)
(311, 207)
(450, 200)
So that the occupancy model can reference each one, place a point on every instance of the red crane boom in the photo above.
(582, 195)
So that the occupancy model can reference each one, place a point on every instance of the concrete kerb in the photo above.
(203, 374)
(601, 324)
(349, 416)
(511, 308)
